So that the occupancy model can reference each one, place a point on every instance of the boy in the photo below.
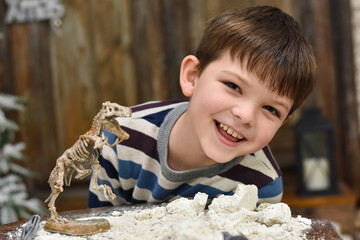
(253, 68)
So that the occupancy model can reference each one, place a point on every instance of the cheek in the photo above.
(266, 134)
(205, 101)
(265, 139)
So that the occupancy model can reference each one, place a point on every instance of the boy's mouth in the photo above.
(228, 132)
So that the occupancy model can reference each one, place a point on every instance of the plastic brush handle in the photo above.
(30, 229)
(228, 236)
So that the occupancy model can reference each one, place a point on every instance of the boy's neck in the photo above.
(183, 153)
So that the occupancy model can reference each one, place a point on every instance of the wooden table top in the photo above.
(321, 229)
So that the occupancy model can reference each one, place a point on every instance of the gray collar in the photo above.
(162, 147)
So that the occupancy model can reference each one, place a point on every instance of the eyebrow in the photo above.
(246, 82)
(285, 106)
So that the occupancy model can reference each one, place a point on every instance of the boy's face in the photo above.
(231, 113)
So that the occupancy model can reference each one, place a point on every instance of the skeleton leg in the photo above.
(52, 209)
(82, 172)
(106, 189)
(68, 175)
(56, 183)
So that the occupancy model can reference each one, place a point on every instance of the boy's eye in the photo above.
(272, 111)
(233, 86)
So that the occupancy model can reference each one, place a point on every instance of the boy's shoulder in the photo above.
(156, 105)
(155, 109)
(148, 117)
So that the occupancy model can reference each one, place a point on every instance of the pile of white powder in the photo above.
(189, 219)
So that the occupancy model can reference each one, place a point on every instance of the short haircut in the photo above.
(269, 42)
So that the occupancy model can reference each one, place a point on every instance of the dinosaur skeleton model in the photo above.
(86, 151)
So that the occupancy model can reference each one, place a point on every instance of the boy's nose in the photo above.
(245, 113)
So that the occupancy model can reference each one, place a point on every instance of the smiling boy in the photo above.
(239, 117)
(253, 68)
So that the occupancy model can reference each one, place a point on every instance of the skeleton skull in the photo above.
(115, 110)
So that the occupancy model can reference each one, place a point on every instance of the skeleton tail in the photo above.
(50, 183)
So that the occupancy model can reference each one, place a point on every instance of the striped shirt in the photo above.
(137, 170)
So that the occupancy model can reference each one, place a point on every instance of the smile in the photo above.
(230, 132)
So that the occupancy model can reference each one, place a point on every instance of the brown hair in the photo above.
(271, 44)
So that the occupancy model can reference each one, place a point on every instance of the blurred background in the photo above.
(129, 51)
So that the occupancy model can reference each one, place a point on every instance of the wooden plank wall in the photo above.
(129, 51)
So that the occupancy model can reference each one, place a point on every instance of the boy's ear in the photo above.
(188, 74)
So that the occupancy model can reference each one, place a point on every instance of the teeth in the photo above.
(223, 126)
(230, 131)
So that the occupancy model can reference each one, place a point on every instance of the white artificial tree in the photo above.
(14, 199)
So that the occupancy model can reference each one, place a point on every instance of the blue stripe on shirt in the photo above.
(190, 191)
(129, 169)
(119, 192)
(93, 201)
(111, 137)
(157, 118)
(272, 189)
(148, 180)
(145, 179)
(108, 167)
(185, 190)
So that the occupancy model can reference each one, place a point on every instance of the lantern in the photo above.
(315, 155)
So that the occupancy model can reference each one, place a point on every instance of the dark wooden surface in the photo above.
(321, 229)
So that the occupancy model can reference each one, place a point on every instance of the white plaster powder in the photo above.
(188, 219)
